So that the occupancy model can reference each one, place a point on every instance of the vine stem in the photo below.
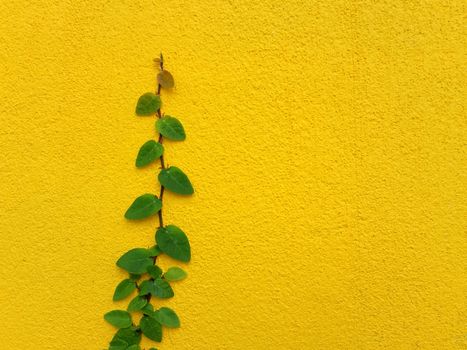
(161, 194)
(159, 115)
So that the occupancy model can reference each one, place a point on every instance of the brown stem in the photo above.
(161, 194)
(159, 115)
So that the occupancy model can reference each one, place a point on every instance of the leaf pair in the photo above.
(122, 319)
(158, 287)
(151, 150)
(148, 104)
(170, 239)
(148, 204)
(151, 325)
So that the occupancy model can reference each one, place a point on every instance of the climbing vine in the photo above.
(146, 279)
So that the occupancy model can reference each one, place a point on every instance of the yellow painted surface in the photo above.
(326, 143)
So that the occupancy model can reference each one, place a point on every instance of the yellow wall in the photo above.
(326, 142)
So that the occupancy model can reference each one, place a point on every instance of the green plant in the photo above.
(145, 277)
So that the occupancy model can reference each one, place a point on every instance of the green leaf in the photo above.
(124, 289)
(148, 309)
(137, 303)
(148, 104)
(175, 273)
(170, 128)
(167, 317)
(135, 261)
(155, 251)
(118, 318)
(162, 289)
(175, 180)
(148, 153)
(143, 207)
(154, 271)
(165, 79)
(173, 242)
(146, 287)
(151, 328)
(118, 344)
(152, 349)
(134, 347)
(126, 335)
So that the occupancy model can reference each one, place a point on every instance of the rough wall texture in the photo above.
(326, 141)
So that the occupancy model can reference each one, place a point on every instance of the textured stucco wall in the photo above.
(326, 142)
